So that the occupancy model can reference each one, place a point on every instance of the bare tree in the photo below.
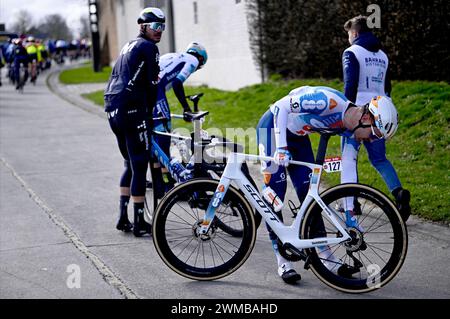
(23, 23)
(85, 32)
(54, 26)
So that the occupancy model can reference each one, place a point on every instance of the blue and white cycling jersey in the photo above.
(176, 65)
(308, 107)
(172, 66)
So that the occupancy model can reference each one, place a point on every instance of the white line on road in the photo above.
(105, 271)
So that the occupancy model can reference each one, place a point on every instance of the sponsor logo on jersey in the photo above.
(333, 104)
(314, 102)
(294, 105)
(328, 121)
(374, 61)
(378, 78)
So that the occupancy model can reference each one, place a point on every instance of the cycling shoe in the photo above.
(141, 227)
(288, 274)
(402, 200)
(124, 225)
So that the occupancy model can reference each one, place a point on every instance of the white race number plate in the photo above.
(332, 164)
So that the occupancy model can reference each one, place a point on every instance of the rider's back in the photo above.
(134, 76)
(176, 65)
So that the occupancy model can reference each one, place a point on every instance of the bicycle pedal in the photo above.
(307, 263)
(294, 253)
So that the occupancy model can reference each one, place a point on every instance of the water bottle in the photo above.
(183, 149)
(181, 174)
(272, 198)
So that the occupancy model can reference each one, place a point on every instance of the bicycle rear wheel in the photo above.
(178, 219)
(378, 246)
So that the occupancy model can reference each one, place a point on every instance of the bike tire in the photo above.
(379, 240)
(175, 236)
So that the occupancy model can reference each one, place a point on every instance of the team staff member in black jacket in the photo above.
(129, 100)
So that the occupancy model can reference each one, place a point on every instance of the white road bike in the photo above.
(350, 257)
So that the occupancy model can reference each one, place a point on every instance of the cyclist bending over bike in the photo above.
(175, 69)
(283, 131)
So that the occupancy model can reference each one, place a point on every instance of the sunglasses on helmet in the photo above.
(156, 26)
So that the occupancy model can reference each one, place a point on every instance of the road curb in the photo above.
(60, 90)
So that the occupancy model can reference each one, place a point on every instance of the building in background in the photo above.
(220, 25)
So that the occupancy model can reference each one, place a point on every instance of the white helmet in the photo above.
(151, 14)
(385, 115)
(199, 50)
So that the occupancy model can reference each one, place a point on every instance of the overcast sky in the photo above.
(72, 10)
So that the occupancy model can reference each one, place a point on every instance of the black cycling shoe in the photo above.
(141, 227)
(124, 225)
(402, 198)
(289, 276)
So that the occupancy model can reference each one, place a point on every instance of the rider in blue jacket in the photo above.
(129, 100)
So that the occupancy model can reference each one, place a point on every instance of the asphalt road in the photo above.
(59, 170)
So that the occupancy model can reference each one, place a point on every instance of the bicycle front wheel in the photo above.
(176, 226)
(378, 244)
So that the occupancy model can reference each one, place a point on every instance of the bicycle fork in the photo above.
(215, 202)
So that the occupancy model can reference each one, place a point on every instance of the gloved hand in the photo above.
(282, 156)
(187, 116)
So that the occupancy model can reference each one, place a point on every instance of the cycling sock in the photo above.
(123, 223)
(124, 200)
(139, 208)
(140, 225)
(280, 259)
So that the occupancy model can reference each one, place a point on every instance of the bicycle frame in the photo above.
(162, 157)
(286, 233)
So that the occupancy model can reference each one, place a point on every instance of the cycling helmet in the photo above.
(30, 39)
(198, 50)
(151, 14)
(385, 115)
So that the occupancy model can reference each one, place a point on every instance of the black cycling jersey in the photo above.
(134, 79)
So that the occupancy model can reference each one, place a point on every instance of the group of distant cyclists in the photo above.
(26, 57)
(135, 94)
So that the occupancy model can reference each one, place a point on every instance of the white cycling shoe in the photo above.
(288, 273)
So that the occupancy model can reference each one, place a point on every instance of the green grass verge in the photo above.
(84, 74)
(420, 151)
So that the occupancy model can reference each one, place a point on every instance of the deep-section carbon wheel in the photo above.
(214, 255)
(378, 244)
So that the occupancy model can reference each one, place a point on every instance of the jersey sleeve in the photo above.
(188, 68)
(281, 110)
(151, 58)
(350, 67)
